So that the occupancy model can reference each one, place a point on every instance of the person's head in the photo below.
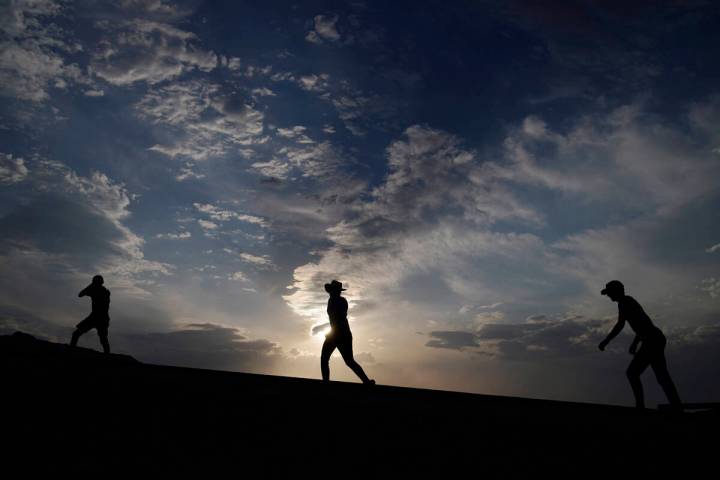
(614, 289)
(334, 288)
(98, 280)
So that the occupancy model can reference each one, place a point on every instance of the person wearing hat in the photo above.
(99, 317)
(652, 345)
(339, 336)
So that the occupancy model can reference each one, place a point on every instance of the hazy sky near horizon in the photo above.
(473, 172)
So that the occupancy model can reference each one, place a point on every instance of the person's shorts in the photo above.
(94, 321)
(652, 348)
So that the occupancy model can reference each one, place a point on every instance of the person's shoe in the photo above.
(370, 382)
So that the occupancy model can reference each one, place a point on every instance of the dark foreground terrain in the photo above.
(77, 411)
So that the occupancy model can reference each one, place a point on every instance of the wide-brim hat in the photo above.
(613, 286)
(334, 286)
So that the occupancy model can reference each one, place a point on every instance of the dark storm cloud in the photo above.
(454, 340)
(204, 345)
(525, 341)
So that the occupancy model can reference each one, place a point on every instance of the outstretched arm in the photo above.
(613, 333)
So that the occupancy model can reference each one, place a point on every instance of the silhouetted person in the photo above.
(652, 345)
(339, 336)
(99, 317)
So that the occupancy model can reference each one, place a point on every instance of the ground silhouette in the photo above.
(77, 411)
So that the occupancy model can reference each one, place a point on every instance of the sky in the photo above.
(474, 172)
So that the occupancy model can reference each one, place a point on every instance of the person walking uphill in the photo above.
(652, 345)
(99, 317)
(339, 336)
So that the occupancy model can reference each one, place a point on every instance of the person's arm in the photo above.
(85, 291)
(634, 345)
(613, 333)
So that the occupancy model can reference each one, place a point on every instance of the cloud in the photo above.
(174, 236)
(431, 212)
(239, 277)
(260, 261)
(207, 225)
(325, 29)
(454, 340)
(625, 155)
(206, 121)
(365, 358)
(186, 172)
(714, 248)
(263, 92)
(711, 286)
(359, 111)
(314, 83)
(321, 328)
(32, 51)
(205, 345)
(546, 338)
(223, 215)
(140, 50)
(59, 230)
(297, 132)
(12, 170)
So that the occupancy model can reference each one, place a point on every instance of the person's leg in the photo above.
(327, 350)
(80, 329)
(638, 365)
(103, 334)
(659, 366)
(346, 350)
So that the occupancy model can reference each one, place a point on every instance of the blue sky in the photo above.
(473, 172)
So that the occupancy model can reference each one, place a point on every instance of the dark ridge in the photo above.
(79, 411)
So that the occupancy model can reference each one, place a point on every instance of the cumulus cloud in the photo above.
(206, 121)
(263, 92)
(148, 51)
(12, 170)
(325, 29)
(714, 248)
(624, 155)
(174, 236)
(263, 261)
(223, 215)
(358, 110)
(207, 225)
(435, 216)
(297, 132)
(429, 213)
(239, 277)
(314, 83)
(711, 286)
(32, 50)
